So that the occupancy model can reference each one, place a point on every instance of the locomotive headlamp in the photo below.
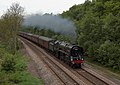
(73, 62)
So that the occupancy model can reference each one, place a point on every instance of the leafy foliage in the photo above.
(98, 30)
(13, 70)
(8, 63)
(10, 23)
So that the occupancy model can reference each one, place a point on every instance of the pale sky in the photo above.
(40, 6)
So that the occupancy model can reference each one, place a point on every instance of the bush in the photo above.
(8, 63)
(20, 62)
(13, 70)
(109, 55)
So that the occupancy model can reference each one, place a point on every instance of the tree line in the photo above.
(98, 30)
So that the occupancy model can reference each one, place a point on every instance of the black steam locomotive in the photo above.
(73, 55)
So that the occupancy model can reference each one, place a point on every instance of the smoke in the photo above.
(53, 22)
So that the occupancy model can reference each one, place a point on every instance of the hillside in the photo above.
(98, 30)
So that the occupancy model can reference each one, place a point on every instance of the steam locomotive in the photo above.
(73, 55)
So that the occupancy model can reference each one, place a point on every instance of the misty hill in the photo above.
(53, 22)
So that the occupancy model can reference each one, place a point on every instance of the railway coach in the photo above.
(73, 55)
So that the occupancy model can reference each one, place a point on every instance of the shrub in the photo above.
(20, 62)
(8, 63)
(109, 55)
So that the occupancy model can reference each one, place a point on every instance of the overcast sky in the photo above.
(40, 6)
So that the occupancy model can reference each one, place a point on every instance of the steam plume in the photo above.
(53, 22)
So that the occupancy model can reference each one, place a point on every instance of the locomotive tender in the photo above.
(73, 55)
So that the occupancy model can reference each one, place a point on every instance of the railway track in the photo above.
(74, 71)
(68, 76)
(87, 76)
(84, 75)
(91, 78)
(64, 75)
(56, 69)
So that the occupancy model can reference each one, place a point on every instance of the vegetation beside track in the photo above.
(13, 69)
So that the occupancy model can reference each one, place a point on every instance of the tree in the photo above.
(11, 23)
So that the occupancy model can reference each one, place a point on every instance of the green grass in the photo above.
(13, 69)
(19, 78)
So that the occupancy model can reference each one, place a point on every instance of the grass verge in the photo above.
(13, 69)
